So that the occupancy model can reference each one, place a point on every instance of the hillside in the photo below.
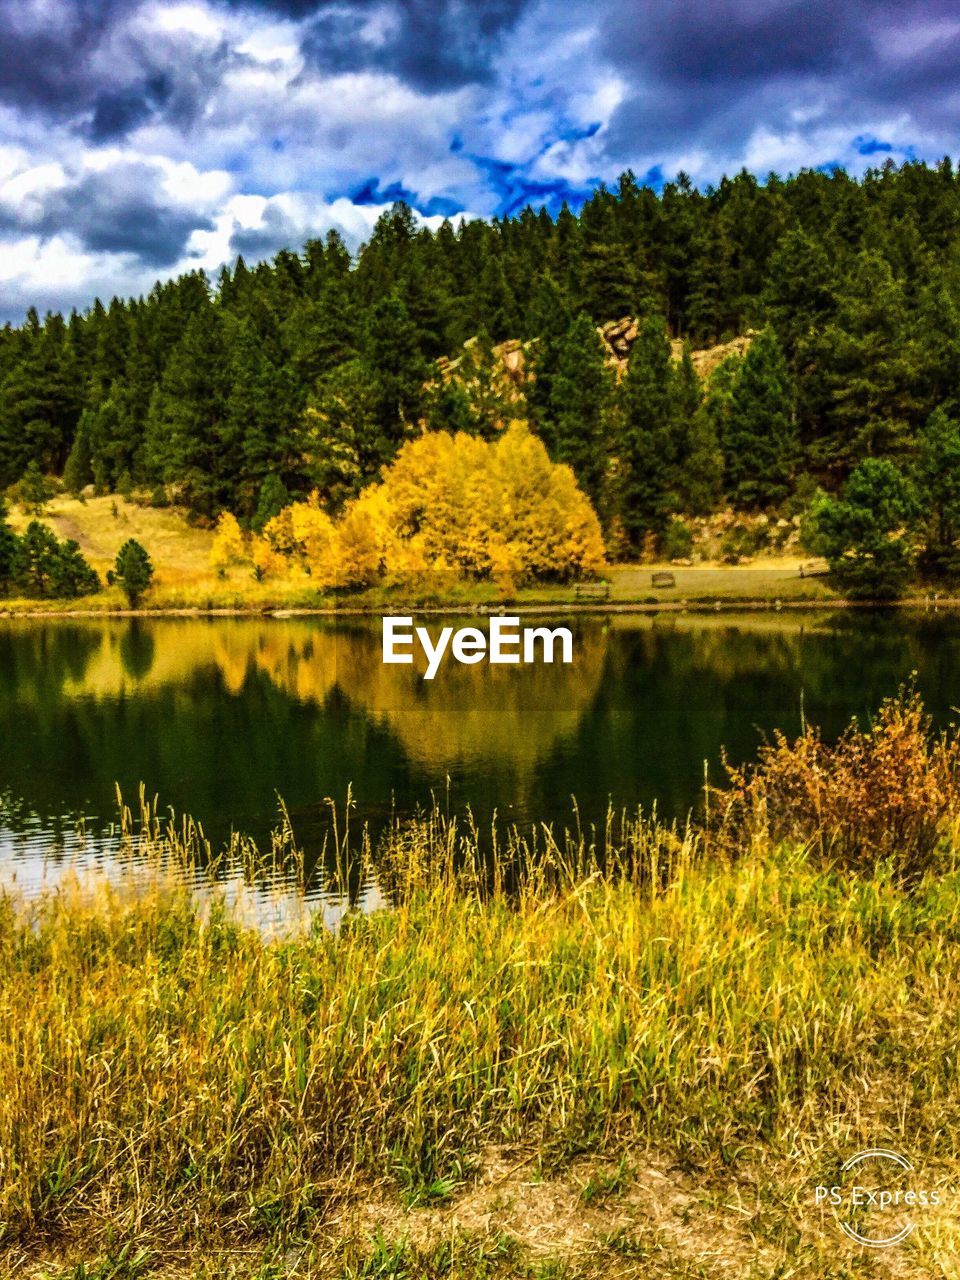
(101, 525)
(310, 371)
(773, 339)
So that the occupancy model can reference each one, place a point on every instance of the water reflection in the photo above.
(219, 717)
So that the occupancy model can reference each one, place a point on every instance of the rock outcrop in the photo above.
(618, 336)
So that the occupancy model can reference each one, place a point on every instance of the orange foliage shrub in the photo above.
(886, 792)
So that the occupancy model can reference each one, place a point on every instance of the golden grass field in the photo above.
(630, 1058)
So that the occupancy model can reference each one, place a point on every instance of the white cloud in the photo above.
(194, 19)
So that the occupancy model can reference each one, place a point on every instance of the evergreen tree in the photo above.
(867, 355)
(188, 441)
(861, 533)
(70, 575)
(8, 551)
(78, 472)
(133, 571)
(344, 448)
(938, 487)
(707, 313)
(262, 415)
(332, 456)
(45, 567)
(576, 421)
(398, 372)
(760, 443)
(39, 399)
(272, 498)
(700, 466)
(551, 317)
(647, 447)
(34, 490)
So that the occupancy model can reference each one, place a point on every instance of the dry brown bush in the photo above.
(885, 792)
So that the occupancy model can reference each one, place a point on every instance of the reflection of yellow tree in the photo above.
(299, 658)
(468, 713)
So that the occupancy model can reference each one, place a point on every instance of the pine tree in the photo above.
(398, 372)
(937, 473)
(271, 500)
(704, 469)
(78, 472)
(707, 310)
(647, 448)
(261, 415)
(133, 571)
(39, 399)
(576, 421)
(868, 361)
(343, 445)
(8, 551)
(496, 306)
(760, 444)
(34, 490)
(550, 318)
(45, 567)
(861, 533)
(188, 443)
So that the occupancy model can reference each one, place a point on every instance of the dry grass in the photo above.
(887, 793)
(560, 1060)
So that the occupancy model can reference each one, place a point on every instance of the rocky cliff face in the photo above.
(618, 337)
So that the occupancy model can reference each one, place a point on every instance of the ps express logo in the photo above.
(877, 1199)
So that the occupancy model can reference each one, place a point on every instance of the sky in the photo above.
(140, 139)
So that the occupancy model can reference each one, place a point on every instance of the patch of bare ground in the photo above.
(644, 1216)
(640, 1216)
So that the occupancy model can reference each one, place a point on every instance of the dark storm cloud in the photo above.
(44, 63)
(430, 44)
(83, 66)
(116, 210)
(117, 111)
(49, 66)
(711, 73)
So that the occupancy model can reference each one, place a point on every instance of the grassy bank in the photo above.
(636, 1058)
(185, 581)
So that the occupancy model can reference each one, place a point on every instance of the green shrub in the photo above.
(677, 541)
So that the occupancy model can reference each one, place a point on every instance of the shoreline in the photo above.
(482, 609)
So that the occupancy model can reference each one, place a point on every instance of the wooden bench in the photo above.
(814, 569)
(592, 591)
(663, 579)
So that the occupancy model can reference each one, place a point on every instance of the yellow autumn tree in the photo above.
(315, 539)
(488, 508)
(229, 545)
(447, 503)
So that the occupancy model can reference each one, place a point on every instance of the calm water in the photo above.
(220, 717)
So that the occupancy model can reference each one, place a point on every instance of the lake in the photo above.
(220, 717)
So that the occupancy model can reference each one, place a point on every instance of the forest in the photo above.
(307, 375)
